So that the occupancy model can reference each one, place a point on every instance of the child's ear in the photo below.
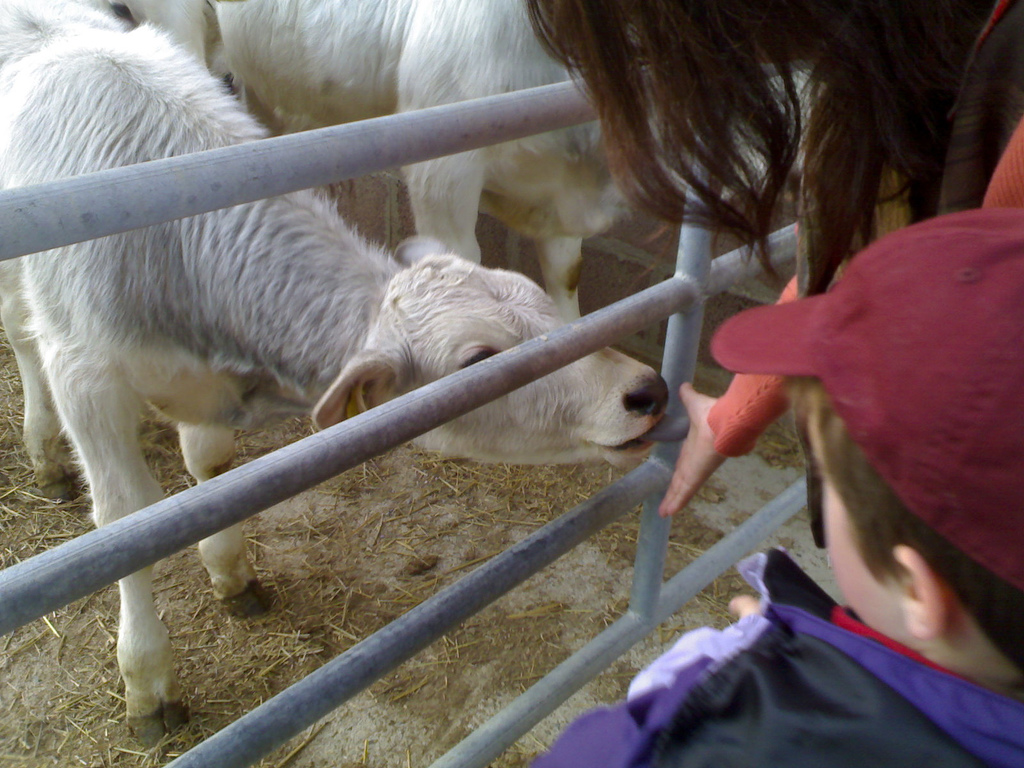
(929, 605)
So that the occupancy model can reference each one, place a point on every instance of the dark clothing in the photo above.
(988, 109)
(801, 691)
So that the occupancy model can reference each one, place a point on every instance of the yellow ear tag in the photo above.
(356, 401)
(353, 408)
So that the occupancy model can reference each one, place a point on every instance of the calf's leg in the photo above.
(101, 414)
(445, 195)
(445, 198)
(47, 451)
(209, 451)
(561, 260)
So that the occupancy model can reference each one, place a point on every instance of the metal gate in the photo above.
(60, 213)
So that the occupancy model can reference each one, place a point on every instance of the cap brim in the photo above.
(778, 340)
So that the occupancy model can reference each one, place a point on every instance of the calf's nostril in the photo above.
(649, 399)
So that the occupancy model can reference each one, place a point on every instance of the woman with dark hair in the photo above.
(911, 105)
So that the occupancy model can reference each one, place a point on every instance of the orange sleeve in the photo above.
(750, 405)
(1006, 187)
(753, 402)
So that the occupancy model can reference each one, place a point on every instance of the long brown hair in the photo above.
(687, 98)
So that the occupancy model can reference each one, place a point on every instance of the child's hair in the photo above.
(880, 521)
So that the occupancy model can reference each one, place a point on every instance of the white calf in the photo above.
(311, 63)
(227, 318)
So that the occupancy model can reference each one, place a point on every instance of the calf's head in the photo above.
(442, 314)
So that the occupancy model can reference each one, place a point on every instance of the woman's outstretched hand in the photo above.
(698, 458)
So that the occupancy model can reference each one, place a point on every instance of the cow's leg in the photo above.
(101, 414)
(209, 451)
(445, 199)
(561, 259)
(258, 107)
(51, 461)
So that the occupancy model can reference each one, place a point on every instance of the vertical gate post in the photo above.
(679, 363)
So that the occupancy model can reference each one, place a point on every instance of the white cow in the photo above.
(190, 23)
(221, 319)
(310, 63)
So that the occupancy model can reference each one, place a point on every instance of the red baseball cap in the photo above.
(920, 346)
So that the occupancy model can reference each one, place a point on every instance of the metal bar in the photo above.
(70, 571)
(693, 262)
(58, 213)
(495, 736)
(735, 266)
(258, 732)
(715, 561)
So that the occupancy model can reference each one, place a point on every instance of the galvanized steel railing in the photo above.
(60, 213)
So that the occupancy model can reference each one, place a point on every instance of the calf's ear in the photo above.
(369, 379)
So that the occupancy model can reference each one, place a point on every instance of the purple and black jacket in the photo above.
(791, 689)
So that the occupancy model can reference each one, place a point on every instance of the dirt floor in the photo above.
(341, 561)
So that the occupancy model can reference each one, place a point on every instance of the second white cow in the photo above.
(311, 63)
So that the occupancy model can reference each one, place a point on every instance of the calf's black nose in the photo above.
(649, 399)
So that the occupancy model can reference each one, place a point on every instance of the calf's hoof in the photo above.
(55, 480)
(61, 489)
(149, 729)
(252, 601)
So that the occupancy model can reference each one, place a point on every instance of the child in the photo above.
(911, 391)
